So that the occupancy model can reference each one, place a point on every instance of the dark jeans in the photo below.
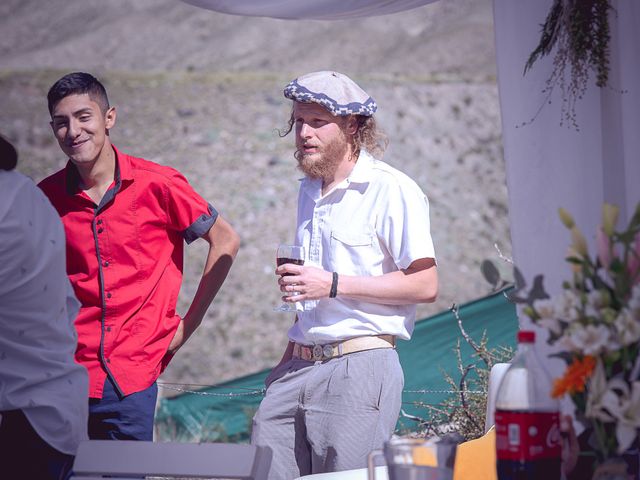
(115, 417)
(25, 455)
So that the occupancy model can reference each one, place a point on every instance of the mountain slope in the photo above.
(203, 92)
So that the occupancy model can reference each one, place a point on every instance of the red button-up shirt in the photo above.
(124, 260)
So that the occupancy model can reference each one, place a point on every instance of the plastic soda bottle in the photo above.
(528, 440)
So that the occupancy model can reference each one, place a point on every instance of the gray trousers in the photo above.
(328, 416)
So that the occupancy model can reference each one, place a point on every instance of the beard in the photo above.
(323, 164)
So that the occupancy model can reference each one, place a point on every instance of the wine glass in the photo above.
(289, 254)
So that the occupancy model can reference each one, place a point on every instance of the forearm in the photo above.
(223, 247)
(394, 288)
(416, 284)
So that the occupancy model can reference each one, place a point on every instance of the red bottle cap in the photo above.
(526, 336)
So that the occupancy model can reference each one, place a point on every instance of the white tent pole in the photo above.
(549, 166)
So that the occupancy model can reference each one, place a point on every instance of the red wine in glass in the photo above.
(295, 261)
(289, 254)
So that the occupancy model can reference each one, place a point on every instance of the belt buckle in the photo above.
(317, 352)
(327, 351)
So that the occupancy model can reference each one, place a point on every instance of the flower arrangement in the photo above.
(594, 323)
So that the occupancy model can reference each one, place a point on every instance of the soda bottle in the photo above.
(528, 441)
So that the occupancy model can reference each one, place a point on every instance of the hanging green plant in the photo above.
(579, 31)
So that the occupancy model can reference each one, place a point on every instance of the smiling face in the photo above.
(81, 128)
(322, 140)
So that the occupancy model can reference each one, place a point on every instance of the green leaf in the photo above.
(617, 266)
(490, 272)
(513, 296)
(537, 291)
(575, 260)
(519, 281)
(566, 356)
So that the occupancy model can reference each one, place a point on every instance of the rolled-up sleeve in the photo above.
(187, 211)
(405, 224)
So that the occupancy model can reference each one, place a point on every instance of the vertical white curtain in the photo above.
(549, 166)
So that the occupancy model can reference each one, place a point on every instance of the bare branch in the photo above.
(463, 401)
(486, 358)
(501, 256)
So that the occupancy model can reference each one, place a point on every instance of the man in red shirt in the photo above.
(125, 221)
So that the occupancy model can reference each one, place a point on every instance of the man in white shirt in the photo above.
(336, 393)
(43, 392)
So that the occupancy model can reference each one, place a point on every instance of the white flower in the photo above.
(551, 324)
(546, 309)
(614, 401)
(590, 339)
(591, 312)
(566, 341)
(598, 390)
(568, 305)
(624, 405)
(627, 327)
(598, 299)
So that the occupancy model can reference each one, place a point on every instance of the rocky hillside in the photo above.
(202, 92)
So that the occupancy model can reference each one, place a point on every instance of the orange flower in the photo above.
(575, 377)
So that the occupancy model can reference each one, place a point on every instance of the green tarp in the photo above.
(223, 412)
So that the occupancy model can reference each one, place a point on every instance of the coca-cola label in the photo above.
(527, 436)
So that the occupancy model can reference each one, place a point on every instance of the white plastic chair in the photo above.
(128, 459)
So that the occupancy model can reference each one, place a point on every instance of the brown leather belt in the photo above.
(337, 349)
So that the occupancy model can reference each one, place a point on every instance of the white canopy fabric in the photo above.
(307, 9)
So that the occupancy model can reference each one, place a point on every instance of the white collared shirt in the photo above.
(374, 222)
(38, 373)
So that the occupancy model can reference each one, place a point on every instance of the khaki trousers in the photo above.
(327, 416)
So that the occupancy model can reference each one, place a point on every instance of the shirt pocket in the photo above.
(353, 250)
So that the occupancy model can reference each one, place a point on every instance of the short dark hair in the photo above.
(8, 155)
(78, 83)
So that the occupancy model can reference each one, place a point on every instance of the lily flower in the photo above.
(546, 310)
(566, 218)
(568, 305)
(590, 339)
(598, 390)
(579, 242)
(624, 404)
(627, 327)
(609, 218)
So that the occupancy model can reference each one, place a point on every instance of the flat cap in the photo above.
(334, 91)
